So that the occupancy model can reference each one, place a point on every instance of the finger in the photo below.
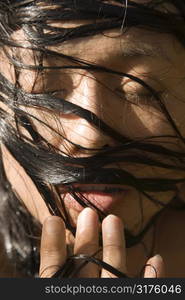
(114, 252)
(155, 267)
(53, 246)
(86, 240)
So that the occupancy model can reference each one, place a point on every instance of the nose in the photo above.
(87, 93)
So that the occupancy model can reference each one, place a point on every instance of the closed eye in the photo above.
(140, 98)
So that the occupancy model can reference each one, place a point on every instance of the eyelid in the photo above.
(140, 97)
(140, 93)
(147, 94)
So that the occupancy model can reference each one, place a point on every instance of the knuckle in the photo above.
(114, 247)
(50, 253)
(88, 248)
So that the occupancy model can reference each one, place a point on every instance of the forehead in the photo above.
(110, 46)
(113, 42)
(132, 43)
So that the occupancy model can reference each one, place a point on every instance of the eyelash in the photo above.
(139, 98)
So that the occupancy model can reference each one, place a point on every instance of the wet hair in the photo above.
(20, 231)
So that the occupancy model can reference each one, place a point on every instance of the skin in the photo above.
(130, 119)
(53, 250)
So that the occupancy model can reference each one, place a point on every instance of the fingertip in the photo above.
(87, 219)
(53, 223)
(88, 212)
(155, 267)
(112, 219)
(50, 219)
(156, 260)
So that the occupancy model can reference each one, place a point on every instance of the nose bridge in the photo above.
(86, 94)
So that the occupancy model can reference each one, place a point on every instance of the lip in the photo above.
(104, 197)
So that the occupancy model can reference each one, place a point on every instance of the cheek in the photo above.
(176, 108)
(24, 187)
(6, 69)
(142, 121)
(129, 120)
(27, 80)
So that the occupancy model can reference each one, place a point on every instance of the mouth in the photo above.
(103, 197)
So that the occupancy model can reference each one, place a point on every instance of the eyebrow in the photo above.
(136, 49)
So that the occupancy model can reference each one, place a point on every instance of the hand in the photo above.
(53, 246)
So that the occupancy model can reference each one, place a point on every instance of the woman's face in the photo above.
(122, 103)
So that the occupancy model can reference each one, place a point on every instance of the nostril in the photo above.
(111, 144)
(105, 146)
